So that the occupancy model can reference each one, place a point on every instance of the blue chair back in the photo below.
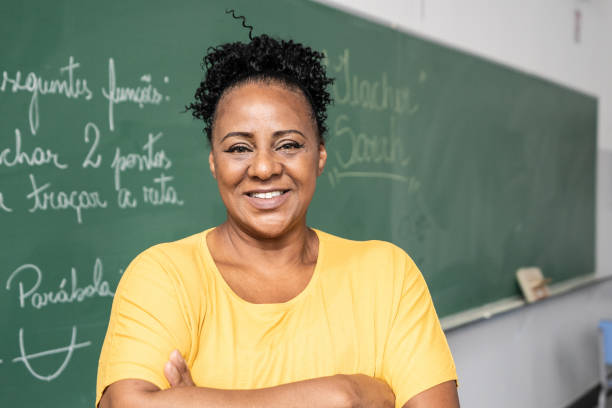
(606, 328)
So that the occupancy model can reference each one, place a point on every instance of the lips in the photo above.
(267, 194)
(268, 199)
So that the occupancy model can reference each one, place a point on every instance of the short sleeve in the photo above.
(148, 320)
(416, 356)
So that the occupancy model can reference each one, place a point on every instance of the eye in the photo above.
(290, 146)
(238, 149)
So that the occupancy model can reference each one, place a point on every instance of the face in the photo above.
(266, 156)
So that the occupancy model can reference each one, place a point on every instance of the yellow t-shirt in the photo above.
(365, 310)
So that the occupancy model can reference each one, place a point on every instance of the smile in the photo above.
(267, 200)
(267, 194)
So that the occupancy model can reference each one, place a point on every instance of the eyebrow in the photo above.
(249, 135)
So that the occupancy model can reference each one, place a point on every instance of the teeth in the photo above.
(269, 194)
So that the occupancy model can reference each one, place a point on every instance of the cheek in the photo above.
(308, 171)
(228, 173)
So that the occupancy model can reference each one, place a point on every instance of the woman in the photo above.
(262, 310)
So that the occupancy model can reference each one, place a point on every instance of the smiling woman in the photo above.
(266, 156)
(263, 310)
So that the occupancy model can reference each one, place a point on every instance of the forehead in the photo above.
(263, 103)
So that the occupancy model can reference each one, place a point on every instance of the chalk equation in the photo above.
(26, 358)
(27, 282)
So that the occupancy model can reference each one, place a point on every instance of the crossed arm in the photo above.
(338, 391)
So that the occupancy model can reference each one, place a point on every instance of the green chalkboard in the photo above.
(473, 168)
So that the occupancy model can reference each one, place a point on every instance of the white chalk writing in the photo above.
(369, 148)
(152, 159)
(140, 95)
(335, 177)
(91, 127)
(3, 206)
(377, 95)
(126, 199)
(162, 194)
(73, 294)
(62, 200)
(61, 179)
(25, 358)
(71, 87)
(38, 156)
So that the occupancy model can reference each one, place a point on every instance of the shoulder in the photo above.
(185, 248)
(374, 259)
(379, 252)
(177, 263)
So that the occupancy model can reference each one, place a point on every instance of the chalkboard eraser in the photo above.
(533, 284)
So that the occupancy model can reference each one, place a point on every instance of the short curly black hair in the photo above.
(262, 59)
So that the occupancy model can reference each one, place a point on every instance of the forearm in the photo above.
(325, 392)
(443, 395)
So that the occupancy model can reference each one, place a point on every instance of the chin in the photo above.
(268, 231)
(267, 227)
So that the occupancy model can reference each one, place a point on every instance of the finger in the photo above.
(179, 363)
(172, 374)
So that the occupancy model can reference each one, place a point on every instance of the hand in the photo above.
(369, 392)
(176, 371)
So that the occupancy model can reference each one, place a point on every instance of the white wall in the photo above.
(544, 355)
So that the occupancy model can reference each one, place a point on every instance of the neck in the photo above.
(298, 245)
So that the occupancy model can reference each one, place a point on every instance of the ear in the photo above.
(211, 164)
(322, 157)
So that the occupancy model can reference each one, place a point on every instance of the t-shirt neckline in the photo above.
(271, 307)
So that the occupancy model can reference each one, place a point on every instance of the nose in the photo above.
(264, 165)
